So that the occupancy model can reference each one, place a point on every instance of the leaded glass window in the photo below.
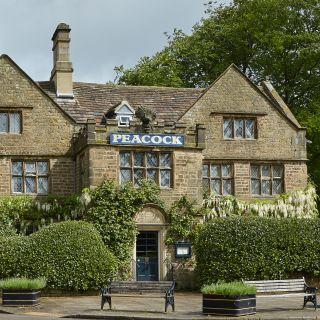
(217, 178)
(239, 128)
(10, 122)
(138, 166)
(266, 179)
(30, 177)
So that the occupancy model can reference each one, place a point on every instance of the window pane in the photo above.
(277, 171)
(30, 184)
(43, 185)
(277, 186)
(17, 184)
(165, 178)
(227, 129)
(152, 175)
(266, 171)
(266, 187)
(238, 127)
(137, 177)
(17, 168)
(227, 187)
(125, 176)
(205, 170)
(30, 168)
(125, 159)
(205, 185)
(226, 170)
(216, 186)
(138, 159)
(255, 172)
(250, 124)
(15, 122)
(255, 186)
(215, 170)
(165, 160)
(152, 160)
(43, 167)
(4, 124)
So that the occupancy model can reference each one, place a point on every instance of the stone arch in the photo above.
(151, 214)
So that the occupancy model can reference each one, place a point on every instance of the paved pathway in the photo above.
(188, 306)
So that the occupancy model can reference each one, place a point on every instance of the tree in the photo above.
(274, 39)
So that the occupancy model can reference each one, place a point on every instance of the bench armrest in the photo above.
(170, 291)
(308, 289)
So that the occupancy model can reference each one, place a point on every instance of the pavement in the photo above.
(188, 306)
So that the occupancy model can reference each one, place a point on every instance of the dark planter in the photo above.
(217, 304)
(19, 298)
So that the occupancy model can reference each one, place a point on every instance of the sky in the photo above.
(104, 33)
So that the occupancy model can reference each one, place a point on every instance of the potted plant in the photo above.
(230, 299)
(21, 291)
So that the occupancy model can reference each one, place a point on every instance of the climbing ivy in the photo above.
(184, 215)
(112, 209)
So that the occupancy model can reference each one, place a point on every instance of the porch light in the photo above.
(182, 250)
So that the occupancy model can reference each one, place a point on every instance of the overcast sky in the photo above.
(105, 33)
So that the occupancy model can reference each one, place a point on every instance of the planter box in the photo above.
(217, 304)
(19, 298)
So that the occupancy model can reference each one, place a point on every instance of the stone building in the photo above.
(60, 136)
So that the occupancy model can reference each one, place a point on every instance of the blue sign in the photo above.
(140, 139)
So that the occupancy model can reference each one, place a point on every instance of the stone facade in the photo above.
(46, 133)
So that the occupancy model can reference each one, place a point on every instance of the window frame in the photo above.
(244, 119)
(145, 168)
(221, 177)
(271, 178)
(24, 175)
(8, 112)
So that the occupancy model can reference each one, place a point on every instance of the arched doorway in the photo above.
(150, 251)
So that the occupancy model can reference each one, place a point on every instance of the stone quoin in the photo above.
(60, 136)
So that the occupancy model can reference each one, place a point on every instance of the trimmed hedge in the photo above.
(257, 248)
(70, 255)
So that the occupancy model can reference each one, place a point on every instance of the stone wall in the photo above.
(187, 170)
(46, 130)
(232, 94)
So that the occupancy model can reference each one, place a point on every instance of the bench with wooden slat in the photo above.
(286, 288)
(142, 289)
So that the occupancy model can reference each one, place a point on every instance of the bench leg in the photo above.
(105, 299)
(169, 300)
(312, 299)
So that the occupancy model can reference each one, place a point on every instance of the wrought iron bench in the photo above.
(140, 289)
(286, 288)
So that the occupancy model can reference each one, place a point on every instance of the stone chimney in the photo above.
(61, 73)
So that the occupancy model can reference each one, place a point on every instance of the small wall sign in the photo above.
(140, 139)
(183, 250)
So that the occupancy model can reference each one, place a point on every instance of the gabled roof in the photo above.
(92, 100)
(35, 84)
(270, 94)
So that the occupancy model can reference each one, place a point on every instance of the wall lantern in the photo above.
(183, 250)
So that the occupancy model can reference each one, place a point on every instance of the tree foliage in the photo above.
(274, 39)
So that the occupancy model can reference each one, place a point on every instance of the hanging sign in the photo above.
(141, 139)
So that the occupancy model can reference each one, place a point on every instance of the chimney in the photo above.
(61, 73)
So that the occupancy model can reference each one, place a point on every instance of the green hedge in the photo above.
(70, 255)
(257, 248)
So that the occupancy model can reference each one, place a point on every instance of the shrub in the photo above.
(229, 289)
(70, 255)
(23, 283)
(7, 231)
(239, 248)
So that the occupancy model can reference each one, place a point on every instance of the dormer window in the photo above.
(124, 121)
(124, 114)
